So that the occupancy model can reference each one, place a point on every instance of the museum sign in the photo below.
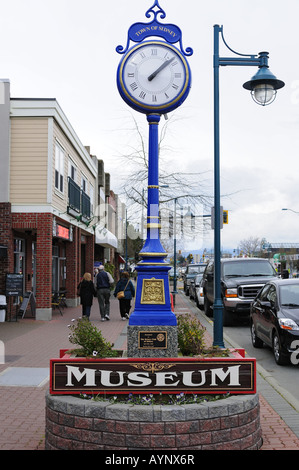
(235, 375)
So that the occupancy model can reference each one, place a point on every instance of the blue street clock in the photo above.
(154, 77)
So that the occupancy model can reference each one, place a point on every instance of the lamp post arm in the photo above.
(260, 60)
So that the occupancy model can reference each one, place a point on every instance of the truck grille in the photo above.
(249, 292)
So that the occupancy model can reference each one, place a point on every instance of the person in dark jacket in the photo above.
(126, 285)
(104, 281)
(87, 293)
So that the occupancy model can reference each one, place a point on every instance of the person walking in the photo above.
(124, 285)
(104, 280)
(87, 292)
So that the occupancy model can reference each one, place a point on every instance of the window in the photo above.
(59, 167)
(19, 261)
(84, 183)
(272, 295)
(91, 195)
(72, 171)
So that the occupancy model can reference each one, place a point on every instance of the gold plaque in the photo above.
(153, 291)
(152, 339)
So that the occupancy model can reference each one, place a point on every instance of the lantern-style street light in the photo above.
(263, 86)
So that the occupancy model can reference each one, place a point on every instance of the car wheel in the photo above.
(256, 342)
(279, 357)
(207, 307)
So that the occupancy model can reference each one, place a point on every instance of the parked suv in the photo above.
(190, 273)
(241, 280)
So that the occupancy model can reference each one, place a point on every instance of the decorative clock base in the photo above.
(152, 341)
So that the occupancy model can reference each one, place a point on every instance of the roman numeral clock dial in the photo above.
(154, 77)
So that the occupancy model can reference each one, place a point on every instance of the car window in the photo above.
(210, 268)
(289, 294)
(264, 292)
(196, 269)
(248, 268)
(272, 295)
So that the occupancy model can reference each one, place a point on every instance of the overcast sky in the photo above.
(65, 49)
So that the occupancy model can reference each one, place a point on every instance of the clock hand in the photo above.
(167, 62)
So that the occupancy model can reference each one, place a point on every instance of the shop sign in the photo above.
(62, 232)
(14, 284)
(152, 375)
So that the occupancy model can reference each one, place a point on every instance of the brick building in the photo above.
(50, 192)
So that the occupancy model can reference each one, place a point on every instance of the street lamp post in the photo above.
(174, 292)
(263, 86)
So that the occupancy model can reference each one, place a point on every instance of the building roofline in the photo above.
(49, 107)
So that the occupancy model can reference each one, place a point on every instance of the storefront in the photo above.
(51, 255)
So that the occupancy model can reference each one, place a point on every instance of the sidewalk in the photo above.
(29, 345)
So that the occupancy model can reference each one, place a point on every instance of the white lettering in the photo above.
(294, 356)
(116, 460)
(172, 459)
(105, 378)
(232, 371)
(187, 378)
(295, 94)
(75, 371)
(161, 378)
(142, 379)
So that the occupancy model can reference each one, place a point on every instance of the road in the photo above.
(283, 378)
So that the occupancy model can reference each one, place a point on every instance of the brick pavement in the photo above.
(30, 344)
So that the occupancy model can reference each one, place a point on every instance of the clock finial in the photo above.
(156, 10)
(138, 32)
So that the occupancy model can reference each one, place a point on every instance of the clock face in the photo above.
(154, 76)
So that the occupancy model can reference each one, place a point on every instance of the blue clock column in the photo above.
(152, 329)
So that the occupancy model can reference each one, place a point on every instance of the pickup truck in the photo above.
(241, 281)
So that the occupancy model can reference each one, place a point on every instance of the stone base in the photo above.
(141, 346)
(229, 424)
(44, 314)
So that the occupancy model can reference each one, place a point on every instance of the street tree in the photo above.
(192, 191)
(250, 246)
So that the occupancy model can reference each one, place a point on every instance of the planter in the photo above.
(231, 423)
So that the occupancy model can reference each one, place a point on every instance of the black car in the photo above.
(274, 319)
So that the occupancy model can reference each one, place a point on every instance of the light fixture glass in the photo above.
(264, 94)
(263, 85)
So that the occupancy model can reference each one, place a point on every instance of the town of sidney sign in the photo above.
(236, 375)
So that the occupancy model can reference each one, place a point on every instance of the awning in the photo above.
(106, 239)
